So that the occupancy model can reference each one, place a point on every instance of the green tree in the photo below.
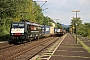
(59, 26)
(87, 29)
(16, 10)
(77, 22)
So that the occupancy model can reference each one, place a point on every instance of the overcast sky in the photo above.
(62, 10)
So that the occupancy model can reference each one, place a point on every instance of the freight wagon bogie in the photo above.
(20, 39)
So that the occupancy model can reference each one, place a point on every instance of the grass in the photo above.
(84, 45)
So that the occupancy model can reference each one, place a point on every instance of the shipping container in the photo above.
(45, 30)
(51, 30)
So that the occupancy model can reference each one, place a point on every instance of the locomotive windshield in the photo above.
(17, 25)
(21, 26)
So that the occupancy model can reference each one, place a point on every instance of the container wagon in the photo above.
(46, 31)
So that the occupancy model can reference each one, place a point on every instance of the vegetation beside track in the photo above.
(82, 29)
(4, 37)
(17, 10)
(83, 44)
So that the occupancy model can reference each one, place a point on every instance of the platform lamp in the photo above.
(76, 22)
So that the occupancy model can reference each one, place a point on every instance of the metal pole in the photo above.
(43, 4)
(76, 27)
(76, 23)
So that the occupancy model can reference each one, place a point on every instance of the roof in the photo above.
(29, 23)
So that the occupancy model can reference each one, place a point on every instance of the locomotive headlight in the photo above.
(12, 34)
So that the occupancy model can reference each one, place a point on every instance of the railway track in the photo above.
(29, 49)
(4, 46)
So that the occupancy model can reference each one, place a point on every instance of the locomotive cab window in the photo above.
(21, 25)
(17, 25)
(14, 25)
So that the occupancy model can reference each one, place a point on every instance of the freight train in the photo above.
(27, 31)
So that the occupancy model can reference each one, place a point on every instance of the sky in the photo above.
(62, 10)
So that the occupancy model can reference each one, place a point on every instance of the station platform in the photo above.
(3, 42)
(70, 50)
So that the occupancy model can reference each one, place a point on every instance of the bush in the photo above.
(4, 37)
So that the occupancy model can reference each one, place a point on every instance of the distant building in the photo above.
(53, 24)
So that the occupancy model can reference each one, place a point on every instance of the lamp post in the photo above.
(41, 12)
(41, 1)
(41, 5)
(76, 22)
(44, 9)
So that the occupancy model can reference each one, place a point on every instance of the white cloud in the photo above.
(84, 1)
(62, 9)
(64, 1)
